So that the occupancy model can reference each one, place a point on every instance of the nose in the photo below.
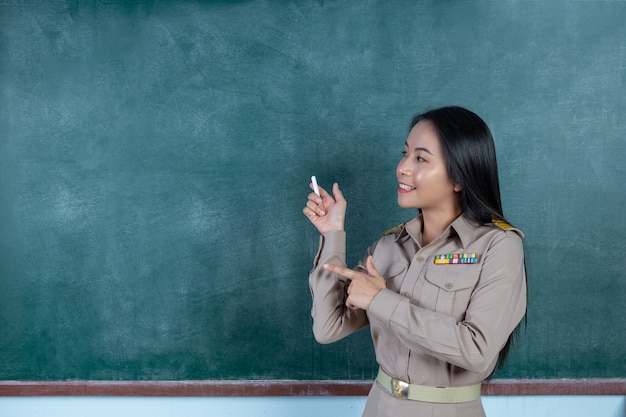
(403, 168)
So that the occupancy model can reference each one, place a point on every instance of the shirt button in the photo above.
(449, 286)
(405, 294)
(420, 259)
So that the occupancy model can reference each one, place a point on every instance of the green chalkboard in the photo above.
(155, 159)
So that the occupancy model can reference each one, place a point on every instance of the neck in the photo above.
(435, 223)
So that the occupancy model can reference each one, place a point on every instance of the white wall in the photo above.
(496, 406)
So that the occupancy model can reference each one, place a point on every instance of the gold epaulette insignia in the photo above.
(505, 226)
(502, 224)
(393, 229)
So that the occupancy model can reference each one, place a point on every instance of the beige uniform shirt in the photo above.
(435, 324)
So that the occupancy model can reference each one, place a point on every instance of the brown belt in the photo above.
(446, 395)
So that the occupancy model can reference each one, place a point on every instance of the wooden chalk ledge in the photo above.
(289, 388)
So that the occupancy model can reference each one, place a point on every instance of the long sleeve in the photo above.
(332, 319)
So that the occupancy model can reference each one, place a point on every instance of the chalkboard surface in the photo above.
(155, 159)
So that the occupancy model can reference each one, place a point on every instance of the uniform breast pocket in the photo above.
(450, 288)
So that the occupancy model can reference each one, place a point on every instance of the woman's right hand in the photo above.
(326, 212)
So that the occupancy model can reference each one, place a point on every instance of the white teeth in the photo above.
(406, 187)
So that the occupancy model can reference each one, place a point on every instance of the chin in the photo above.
(405, 204)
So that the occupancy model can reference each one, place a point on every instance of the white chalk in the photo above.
(315, 187)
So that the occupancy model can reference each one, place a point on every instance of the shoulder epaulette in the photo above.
(502, 224)
(393, 229)
(505, 226)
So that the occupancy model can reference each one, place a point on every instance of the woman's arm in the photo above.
(332, 319)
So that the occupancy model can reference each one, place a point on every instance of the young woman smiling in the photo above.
(443, 292)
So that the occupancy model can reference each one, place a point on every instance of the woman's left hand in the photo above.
(363, 287)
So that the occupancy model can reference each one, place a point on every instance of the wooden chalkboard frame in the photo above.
(289, 388)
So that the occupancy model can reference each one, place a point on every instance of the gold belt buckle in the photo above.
(399, 388)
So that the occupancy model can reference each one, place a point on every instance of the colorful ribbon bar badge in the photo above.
(456, 258)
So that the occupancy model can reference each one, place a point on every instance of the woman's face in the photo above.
(423, 181)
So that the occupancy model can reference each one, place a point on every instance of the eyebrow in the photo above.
(419, 148)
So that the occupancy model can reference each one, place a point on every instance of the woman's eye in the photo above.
(404, 153)
(420, 159)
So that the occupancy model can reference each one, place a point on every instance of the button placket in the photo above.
(415, 270)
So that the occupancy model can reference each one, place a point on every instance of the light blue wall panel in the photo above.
(496, 406)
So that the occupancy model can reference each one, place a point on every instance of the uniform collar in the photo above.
(465, 230)
(461, 227)
(413, 228)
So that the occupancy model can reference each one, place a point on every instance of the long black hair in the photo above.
(470, 154)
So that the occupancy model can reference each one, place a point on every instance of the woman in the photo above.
(442, 293)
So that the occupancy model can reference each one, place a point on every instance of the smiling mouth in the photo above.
(405, 187)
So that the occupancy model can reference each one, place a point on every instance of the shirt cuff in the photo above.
(331, 244)
(335, 241)
(385, 304)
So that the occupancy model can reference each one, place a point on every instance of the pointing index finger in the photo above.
(343, 271)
